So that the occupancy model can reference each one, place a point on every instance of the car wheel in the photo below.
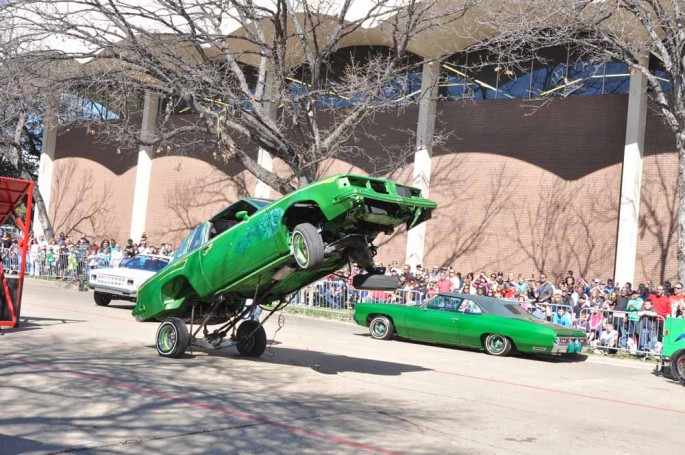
(678, 366)
(307, 246)
(497, 345)
(251, 338)
(381, 328)
(172, 338)
(101, 298)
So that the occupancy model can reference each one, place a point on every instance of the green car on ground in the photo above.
(673, 349)
(467, 320)
(256, 252)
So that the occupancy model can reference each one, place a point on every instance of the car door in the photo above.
(240, 250)
(435, 321)
(470, 323)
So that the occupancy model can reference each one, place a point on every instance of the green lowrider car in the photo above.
(257, 252)
(467, 320)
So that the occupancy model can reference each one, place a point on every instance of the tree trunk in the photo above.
(14, 156)
(41, 210)
(680, 142)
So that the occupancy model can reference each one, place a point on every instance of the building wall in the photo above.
(522, 188)
(92, 187)
(658, 238)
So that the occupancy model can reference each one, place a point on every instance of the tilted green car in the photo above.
(256, 252)
(497, 326)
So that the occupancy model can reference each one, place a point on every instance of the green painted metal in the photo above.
(674, 336)
(451, 323)
(252, 255)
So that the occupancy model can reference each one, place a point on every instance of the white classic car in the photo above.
(123, 282)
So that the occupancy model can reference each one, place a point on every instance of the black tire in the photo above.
(497, 345)
(307, 246)
(101, 298)
(172, 338)
(678, 366)
(251, 338)
(381, 328)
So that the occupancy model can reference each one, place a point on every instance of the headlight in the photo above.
(93, 278)
(130, 282)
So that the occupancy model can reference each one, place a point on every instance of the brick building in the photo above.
(528, 181)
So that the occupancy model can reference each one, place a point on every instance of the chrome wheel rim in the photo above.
(166, 339)
(300, 249)
(496, 344)
(379, 329)
(680, 366)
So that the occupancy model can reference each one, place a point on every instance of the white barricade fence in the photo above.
(73, 266)
(547, 311)
(609, 331)
(339, 295)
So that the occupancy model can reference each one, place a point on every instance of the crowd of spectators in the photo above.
(614, 315)
(67, 258)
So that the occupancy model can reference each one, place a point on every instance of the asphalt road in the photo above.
(86, 379)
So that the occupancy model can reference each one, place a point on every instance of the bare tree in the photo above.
(22, 100)
(254, 73)
(626, 31)
(80, 206)
(189, 201)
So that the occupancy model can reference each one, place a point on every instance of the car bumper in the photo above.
(113, 290)
(574, 346)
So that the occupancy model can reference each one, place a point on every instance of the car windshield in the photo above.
(145, 263)
(260, 202)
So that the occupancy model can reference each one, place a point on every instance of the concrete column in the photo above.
(144, 167)
(262, 190)
(46, 165)
(425, 130)
(631, 181)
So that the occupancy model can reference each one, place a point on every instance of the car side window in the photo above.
(443, 303)
(184, 245)
(198, 237)
(470, 307)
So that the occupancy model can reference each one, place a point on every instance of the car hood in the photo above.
(123, 272)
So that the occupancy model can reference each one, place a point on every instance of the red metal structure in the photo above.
(12, 193)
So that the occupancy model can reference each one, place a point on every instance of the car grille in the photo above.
(111, 280)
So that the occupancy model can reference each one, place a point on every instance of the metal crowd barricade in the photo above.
(57, 266)
(637, 335)
(339, 296)
(553, 308)
(327, 294)
(10, 260)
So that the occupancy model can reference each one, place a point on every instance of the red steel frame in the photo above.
(12, 194)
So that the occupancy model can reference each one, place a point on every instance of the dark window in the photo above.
(146, 263)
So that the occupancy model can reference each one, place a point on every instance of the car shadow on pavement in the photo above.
(514, 354)
(325, 363)
(33, 323)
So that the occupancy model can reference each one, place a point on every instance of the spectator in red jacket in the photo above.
(660, 302)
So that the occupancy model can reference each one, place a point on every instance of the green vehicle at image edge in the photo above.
(257, 252)
(673, 349)
(472, 321)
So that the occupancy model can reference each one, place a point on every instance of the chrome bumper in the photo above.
(567, 345)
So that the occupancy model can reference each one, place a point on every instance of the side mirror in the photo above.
(242, 215)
